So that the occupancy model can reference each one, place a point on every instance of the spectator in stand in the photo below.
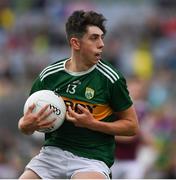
(126, 164)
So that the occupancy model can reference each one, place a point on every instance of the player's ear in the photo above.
(75, 43)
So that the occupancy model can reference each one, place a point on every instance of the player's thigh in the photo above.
(89, 175)
(29, 174)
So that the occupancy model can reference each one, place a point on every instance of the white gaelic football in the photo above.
(44, 97)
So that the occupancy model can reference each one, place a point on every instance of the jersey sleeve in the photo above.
(37, 85)
(119, 95)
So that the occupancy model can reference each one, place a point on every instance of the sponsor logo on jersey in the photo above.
(99, 111)
(89, 93)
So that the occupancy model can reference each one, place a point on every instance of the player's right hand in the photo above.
(31, 122)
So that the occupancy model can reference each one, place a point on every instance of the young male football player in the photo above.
(98, 107)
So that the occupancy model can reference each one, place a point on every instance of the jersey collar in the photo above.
(78, 73)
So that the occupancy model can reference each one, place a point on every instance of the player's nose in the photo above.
(100, 44)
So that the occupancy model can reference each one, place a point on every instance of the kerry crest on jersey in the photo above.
(89, 93)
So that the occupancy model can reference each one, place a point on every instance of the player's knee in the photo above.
(89, 175)
(29, 174)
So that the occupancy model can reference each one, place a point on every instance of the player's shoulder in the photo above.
(56, 61)
(108, 70)
(57, 66)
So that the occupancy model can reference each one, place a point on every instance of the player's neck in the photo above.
(77, 65)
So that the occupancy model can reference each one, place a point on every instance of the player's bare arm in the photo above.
(126, 124)
(31, 122)
(126, 139)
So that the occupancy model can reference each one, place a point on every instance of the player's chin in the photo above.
(96, 59)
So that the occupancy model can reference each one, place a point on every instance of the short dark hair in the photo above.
(78, 21)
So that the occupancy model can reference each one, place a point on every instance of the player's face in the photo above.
(91, 45)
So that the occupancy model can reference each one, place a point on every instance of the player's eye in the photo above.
(93, 37)
(102, 37)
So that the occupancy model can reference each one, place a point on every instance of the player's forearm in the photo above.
(120, 127)
(23, 128)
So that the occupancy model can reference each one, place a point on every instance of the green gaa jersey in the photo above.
(102, 90)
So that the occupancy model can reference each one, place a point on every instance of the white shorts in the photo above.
(54, 163)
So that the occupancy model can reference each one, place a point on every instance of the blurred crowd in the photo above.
(141, 42)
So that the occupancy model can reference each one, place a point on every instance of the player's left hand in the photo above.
(83, 119)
